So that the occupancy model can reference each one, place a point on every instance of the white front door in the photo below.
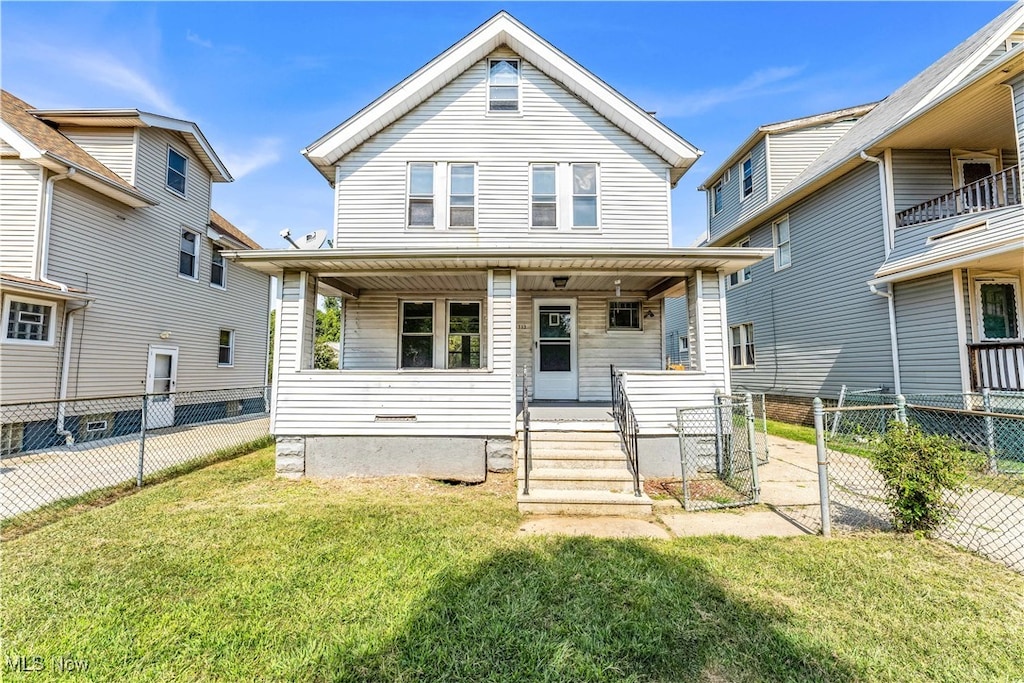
(555, 369)
(161, 376)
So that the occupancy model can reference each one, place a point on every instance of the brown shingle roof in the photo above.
(223, 225)
(46, 139)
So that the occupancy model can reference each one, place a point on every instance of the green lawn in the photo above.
(229, 574)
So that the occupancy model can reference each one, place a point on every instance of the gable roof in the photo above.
(937, 83)
(133, 118)
(501, 29)
(221, 225)
(39, 142)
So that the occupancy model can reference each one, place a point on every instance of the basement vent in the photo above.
(233, 408)
(11, 437)
(97, 426)
(394, 418)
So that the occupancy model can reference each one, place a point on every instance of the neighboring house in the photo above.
(111, 272)
(898, 236)
(505, 218)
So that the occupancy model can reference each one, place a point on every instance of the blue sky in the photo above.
(265, 79)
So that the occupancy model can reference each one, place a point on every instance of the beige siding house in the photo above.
(111, 272)
(503, 230)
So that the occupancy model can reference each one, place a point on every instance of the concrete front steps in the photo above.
(579, 468)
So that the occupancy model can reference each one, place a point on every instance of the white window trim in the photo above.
(743, 275)
(624, 330)
(976, 304)
(447, 330)
(776, 244)
(448, 197)
(409, 196)
(167, 170)
(992, 159)
(716, 190)
(727, 176)
(223, 268)
(8, 299)
(744, 195)
(195, 264)
(518, 111)
(571, 209)
(231, 346)
(744, 342)
(402, 333)
(558, 221)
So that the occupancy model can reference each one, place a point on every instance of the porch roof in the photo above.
(647, 262)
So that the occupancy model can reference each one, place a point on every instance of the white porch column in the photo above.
(501, 333)
(293, 351)
(708, 326)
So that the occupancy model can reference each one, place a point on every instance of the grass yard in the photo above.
(229, 574)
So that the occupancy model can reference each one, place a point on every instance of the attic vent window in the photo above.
(503, 85)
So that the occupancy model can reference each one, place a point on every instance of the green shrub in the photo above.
(919, 470)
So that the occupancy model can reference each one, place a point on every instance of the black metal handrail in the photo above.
(629, 430)
(992, 192)
(527, 458)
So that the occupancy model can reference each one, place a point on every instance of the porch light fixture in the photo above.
(618, 288)
(560, 281)
(649, 314)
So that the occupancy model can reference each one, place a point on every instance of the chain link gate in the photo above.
(719, 454)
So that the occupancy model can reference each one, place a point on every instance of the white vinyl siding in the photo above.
(452, 127)
(919, 175)
(20, 196)
(793, 151)
(114, 148)
(734, 206)
(929, 350)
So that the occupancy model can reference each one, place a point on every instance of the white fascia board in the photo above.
(200, 145)
(916, 268)
(13, 138)
(501, 29)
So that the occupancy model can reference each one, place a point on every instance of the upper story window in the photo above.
(748, 177)
(543, 196)
(780, 237)
(716, 197)
(218, 269)
(503, 85)
(584, 195)
(188, 254)
(177, 171)
(739, 277)
(421, 194)
(27, 321)
(462, 195)
(741, 345)
(226, 349)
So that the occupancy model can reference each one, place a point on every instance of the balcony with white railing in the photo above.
(993, 192)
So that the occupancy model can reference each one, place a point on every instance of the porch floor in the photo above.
(567, 411)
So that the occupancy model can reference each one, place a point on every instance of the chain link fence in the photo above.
(56, 454)
(987, 429)
(720, 448)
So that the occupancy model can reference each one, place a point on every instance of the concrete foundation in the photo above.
(499, 454)
(436, 457)
(659, 457)
(290, 461)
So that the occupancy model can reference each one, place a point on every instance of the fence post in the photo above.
(142, 442)
(990, 432)
(764, 426)
(901, 409)
(819, 439)
(719, 440)
(835, 416)
(748, 400)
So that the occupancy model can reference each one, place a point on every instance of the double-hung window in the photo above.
(716, 197)
(177, 171)
(463, 334)
(188, 254)
(584, 196)
(743, 275)
(226, 349)
(421, 195)
(28, 321)
(741, 342)
(503, 85)
(748, 177)
(417, 342)
(218, 269)
(543, 196)
(624, 315)
(780, 237)
(461, 195)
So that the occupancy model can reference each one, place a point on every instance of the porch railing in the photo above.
(527, 456)
(993, 192)
(628, 426)
(997, 365)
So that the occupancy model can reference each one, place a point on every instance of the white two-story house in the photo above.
(112, 277)
(898, 234)
(502, 220)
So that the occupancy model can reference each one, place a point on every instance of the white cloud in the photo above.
(261, 152)
(194, 38)
(762, 82)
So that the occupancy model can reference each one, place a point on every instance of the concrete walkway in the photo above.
(30, 481)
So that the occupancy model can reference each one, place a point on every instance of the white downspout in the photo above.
(882, 187)
(892, 337)
(65, 368)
